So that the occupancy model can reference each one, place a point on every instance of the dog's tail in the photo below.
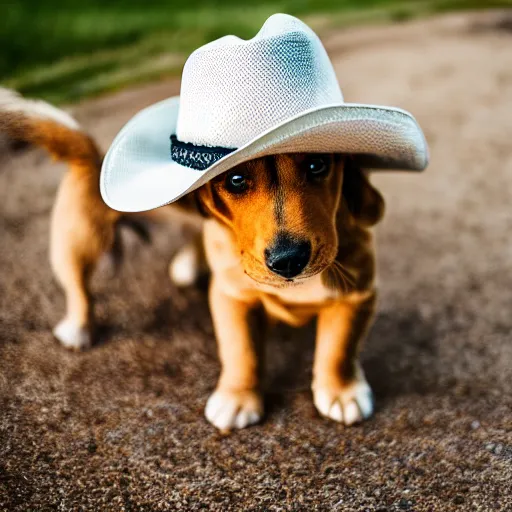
(43, 125)
(40, 124)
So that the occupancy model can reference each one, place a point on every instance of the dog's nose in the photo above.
(288, 256)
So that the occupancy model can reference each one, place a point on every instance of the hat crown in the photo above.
(233, 90)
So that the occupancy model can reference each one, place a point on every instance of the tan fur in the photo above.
(82, 226)
(235, 238)
(335, 214)
(83, 229)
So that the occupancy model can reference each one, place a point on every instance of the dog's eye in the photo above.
(236, 182)
(316, 166)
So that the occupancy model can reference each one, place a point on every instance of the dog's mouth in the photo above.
(279, 282)
(315, 267)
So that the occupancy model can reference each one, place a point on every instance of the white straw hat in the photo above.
(274, 93)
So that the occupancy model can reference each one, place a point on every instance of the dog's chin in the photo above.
(280, 282)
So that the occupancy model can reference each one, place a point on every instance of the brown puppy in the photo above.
(291, 233)
(286, 232)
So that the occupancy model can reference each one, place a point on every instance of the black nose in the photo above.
(288, 256)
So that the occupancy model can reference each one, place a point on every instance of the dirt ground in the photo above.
(121, 427)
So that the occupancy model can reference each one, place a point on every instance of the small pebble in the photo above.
(404, 504)
(475, 425)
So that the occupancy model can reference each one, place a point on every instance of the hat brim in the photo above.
(138, 173)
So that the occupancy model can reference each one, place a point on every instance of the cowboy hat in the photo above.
(240, 100)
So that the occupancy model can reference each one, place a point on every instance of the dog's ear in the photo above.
(191, 203)
(363, 200)
(211, 204)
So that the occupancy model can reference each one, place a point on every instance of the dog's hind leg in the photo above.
(83, 228)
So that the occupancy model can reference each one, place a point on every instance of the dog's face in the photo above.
(284, 212)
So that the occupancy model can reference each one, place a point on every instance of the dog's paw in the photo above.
(350, 404)
(72, 335)
(234, 409)
(184, 268)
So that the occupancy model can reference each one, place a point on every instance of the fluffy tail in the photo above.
(38, 123)
(41, 124)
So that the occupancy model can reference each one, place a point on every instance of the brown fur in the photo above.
(334, 214)
(83, 227)
(337, 286)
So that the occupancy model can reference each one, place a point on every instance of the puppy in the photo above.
(289, 233)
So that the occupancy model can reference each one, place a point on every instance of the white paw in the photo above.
(72, 335)
(348, 405)
(234, 409)
(184, 267)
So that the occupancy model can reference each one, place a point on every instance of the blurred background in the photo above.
(63, 50)
(121, 426)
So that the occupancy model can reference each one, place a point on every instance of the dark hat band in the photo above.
(199, 158)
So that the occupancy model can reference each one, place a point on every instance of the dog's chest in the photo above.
(296, 305)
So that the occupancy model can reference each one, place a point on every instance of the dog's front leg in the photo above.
(340, 390)
(237, 401)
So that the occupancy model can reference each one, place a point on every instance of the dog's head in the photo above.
(285, 211)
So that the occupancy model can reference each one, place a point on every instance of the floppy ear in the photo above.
(363, 200)
(210, 204)
(191, 203)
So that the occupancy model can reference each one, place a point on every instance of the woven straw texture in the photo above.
(275, 93)
(234, 90)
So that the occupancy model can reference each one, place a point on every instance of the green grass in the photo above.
(63, 50)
